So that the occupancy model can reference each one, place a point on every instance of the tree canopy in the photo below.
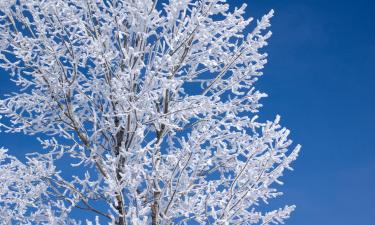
(152, 104)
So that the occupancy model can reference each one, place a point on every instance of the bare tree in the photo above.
(153, 105)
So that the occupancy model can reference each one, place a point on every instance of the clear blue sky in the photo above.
(320, 78)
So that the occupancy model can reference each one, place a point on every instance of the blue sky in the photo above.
(320, 79)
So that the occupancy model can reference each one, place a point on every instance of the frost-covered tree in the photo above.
(153, 105)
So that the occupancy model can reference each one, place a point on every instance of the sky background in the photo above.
(320, 79)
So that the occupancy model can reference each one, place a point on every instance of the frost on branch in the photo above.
(24, 192)
(152, 104)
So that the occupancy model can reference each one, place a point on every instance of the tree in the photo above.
(152, 104)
